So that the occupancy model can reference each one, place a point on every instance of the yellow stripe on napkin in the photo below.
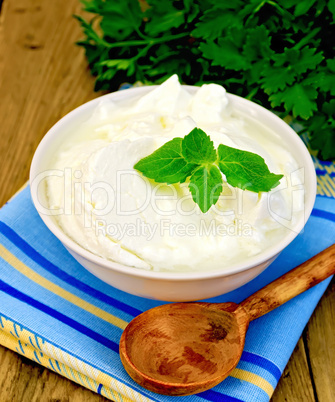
(325, 178)
(45, 283)
(72, 368)
(253, 379)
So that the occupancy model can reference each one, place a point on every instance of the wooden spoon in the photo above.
(186, 348)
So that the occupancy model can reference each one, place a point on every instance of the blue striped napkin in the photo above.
(56, 313)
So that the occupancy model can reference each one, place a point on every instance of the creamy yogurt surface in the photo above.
(112, 210)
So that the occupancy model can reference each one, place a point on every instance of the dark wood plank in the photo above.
(43, 76)
(295, 384)
(320, 342)
(24, 380)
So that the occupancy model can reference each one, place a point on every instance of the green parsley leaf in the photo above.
(246, 170)
(197, 147)
(287, 66)
(298, 98)
(214, 21)
(225, 54)
(298, 60)
(323, 79)
(275, 79)
(276, 53)
(206, 186)
(166, 164)
(325, 143)
(257, 44)
(331, 7)
(303, 7)
(169, 17)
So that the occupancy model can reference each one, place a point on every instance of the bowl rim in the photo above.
(237, 267)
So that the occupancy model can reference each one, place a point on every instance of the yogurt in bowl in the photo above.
(149, 238)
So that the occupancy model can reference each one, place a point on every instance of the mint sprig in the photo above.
(194, 157)
(246, 170)
(167, 164)
(206, 186)
(197, 147)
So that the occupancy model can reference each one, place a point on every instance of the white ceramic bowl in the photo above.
(170, 286)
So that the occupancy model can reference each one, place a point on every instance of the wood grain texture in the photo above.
(320, 342)
(183, 348)
(309, 375)
(24, 380)
(295, 384)
(294, 282)
(42, 77)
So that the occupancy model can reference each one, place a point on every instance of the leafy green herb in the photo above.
(167, 164)
(277, 53)
(195, 158)
(246, 170)
(197, 147)
(205, 186)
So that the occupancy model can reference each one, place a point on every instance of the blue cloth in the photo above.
(55, 312)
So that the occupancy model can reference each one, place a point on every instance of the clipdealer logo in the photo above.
(95, 201)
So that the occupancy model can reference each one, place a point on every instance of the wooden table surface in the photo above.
(43, 75)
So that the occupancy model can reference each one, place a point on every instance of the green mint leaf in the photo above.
(166, 164)
(197, 147)
(195, 157)
(205, 186)
(246, 170)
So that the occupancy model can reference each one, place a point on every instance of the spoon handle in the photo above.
(291, 284)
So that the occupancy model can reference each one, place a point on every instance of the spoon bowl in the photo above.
(178, 357)
(186, 348)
